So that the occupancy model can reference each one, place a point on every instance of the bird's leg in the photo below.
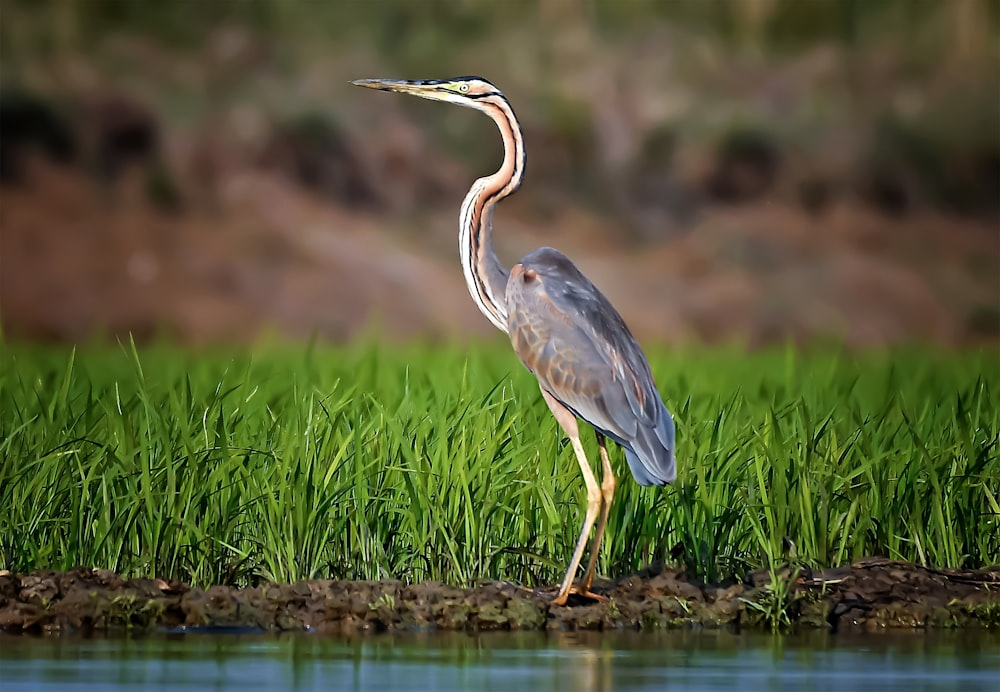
(593, 507)
(608, 491)
(568, 422)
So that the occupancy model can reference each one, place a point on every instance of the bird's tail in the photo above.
(651, 454)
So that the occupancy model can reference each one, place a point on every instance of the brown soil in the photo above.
(871, 595)
(272, 258)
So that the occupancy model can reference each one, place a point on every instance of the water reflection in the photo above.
(707, 660)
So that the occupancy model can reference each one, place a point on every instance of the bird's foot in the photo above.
(581, 591)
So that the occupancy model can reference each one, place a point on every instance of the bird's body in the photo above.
(563, 329)
(570, 336)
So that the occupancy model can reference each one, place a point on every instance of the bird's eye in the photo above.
(463, 88)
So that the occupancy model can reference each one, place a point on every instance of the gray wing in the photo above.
(570, 336)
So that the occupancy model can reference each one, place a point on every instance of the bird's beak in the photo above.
(434, 91)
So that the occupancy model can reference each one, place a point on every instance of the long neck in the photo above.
(485, 276)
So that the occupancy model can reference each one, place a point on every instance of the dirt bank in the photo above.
(871, 595)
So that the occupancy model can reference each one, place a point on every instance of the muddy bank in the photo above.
(871, 595)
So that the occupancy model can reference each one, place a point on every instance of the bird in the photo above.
(588, 364)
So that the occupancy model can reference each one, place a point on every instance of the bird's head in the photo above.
(464, 91)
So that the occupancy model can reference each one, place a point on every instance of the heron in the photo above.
(563, 329)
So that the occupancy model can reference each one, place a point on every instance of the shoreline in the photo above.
(871, 595)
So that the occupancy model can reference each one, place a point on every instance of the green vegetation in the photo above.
(409, 30)
(442, 462)
(891, 99)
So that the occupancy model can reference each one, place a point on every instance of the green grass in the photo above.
(424, 461)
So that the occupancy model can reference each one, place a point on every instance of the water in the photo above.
(505, 661)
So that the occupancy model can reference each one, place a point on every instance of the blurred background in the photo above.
(755, 171)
